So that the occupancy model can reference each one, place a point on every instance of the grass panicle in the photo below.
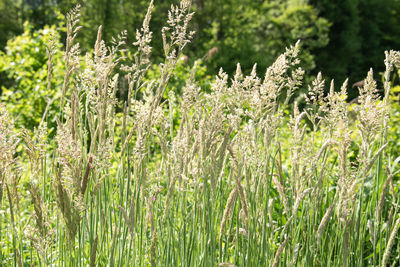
(239, 173)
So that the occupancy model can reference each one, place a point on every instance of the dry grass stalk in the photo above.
(10, 202)
(170, 194)
(374, 158)
(130, 221)
(324, 221)
(346, 238)
(8, 144)
(71, 214)
(226, 264)
(389, 245)
(279, 168)
(390, 218)
(243, 201)
(282, 194)
(382, 196)
(114, 238)
(371, 232)
(94, 252)
(72, 52)
(14, 232)
(39, 209)
(85, 179)
(299, 199)
(270, 211)
(153, 245)
(279, 252)
(227, 211)
(244, 233)
(19, 258)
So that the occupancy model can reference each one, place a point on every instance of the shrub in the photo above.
(25, 62)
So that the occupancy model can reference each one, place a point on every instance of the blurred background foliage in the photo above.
(24, 87)
(339, 38)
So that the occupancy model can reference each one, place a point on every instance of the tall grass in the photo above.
(232, 177)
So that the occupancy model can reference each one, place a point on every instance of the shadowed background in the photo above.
(339, 38)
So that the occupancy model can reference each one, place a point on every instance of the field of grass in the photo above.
(235, 176)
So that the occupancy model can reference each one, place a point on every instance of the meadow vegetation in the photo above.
(223, 172)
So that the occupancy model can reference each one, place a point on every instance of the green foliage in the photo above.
(249, 32)
(394, 132)
(336, 35)
(298, 21)
(394, 127)
(183, 72)
(338, 58)
(9, 21)
(25, 62)
(244, 31)
(360, 33)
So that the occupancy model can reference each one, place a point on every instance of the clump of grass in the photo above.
(218, 178)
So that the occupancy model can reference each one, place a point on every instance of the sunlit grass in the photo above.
(233, 177)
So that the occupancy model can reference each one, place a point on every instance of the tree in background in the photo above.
(341, 38)
(10, 21)
(10, 25)
(339, 57)
(360, 33)
(249, 31)
(242, 30)
(379, 31)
